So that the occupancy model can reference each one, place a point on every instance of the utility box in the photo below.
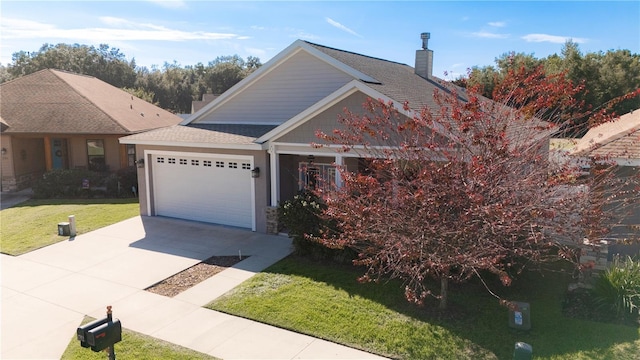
(523, 351)
(63, 229)
(520, 316)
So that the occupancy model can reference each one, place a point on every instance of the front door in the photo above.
(59, 154)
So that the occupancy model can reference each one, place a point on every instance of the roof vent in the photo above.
(424, 58)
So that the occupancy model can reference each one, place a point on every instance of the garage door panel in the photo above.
(203, 189)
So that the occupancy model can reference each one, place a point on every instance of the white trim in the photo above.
(330, 100)
(269, 66)
(148, 157)
(274, 164)
(205, 145)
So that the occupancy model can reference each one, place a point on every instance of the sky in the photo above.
(464, 34)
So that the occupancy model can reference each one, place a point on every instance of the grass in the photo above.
(133, 346)
(326, 301)
(34, 223)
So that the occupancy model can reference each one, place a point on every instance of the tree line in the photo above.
(604, 76)
(170, 86)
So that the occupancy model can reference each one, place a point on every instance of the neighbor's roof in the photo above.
(619, 138)
(59, 102)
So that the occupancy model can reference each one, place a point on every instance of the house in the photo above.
(54, 119)
(234, 160)
(617, 141)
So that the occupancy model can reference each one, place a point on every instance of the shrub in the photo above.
(617, 290)
(302, 217)
(66, 183)
(63, 183)
(120, 184)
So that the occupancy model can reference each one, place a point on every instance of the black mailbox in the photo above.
(105, 335)
(100, 334)
(84, 329)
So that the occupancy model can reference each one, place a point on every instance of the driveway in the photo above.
(47, 292)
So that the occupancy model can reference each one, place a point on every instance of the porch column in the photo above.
(48, 159)
(275, 175)
(339, 163)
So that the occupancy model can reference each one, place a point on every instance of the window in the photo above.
(95, 154)
(206, 163)
(246, 166)
(195, 162)
(183, 161)
(233, 165)
(171, 160)
(131, 154)
(219, 163)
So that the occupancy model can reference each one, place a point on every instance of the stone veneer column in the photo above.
(272, 219)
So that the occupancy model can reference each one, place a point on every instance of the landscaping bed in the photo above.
(194, 275)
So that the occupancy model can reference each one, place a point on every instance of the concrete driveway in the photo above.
(47, 292)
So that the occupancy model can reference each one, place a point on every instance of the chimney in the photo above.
(424, 58)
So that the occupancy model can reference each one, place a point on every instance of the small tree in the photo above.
(465, 188)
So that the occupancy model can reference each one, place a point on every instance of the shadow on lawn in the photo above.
(477, 316)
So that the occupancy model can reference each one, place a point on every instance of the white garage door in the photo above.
(210, 189)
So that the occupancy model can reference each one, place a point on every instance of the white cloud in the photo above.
(498, 24)
(116, 29)
(553, 38)
(489, 35)
(342, 27)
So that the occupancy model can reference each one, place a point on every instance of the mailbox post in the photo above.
(101, 334)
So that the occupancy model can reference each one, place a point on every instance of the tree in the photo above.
(605, 76)
(105, 63)
(466, 188)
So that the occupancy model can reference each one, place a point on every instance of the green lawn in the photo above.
(34, 223)
(134, 346)
(326, 301)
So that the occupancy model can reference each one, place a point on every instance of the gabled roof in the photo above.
(395, 80)
(59, 102)
(619, 138)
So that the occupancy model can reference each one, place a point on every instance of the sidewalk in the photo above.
(46, 293)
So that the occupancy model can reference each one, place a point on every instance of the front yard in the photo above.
(34, 223)
(326, 301)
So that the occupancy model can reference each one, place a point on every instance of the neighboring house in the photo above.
(54, 119)
(618, 142)
(233, 161)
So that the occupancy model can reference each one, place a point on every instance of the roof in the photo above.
(222, 135)
(59, 102)
(395, 80)
(386, 79)
(619, 138)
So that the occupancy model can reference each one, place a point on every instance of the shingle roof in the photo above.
(397, 81)
(619, 138)
(53, 101)
(236, 134)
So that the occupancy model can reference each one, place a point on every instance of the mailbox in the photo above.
(100, 334)
(105, 335)
(83, 330)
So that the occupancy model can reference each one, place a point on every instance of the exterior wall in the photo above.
(25, 158)
(325, 121)
(23, 163)
(285, 91)
(262, 185)
(77, 151)
(6, 165)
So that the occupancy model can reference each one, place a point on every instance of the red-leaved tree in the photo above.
(466, 188)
